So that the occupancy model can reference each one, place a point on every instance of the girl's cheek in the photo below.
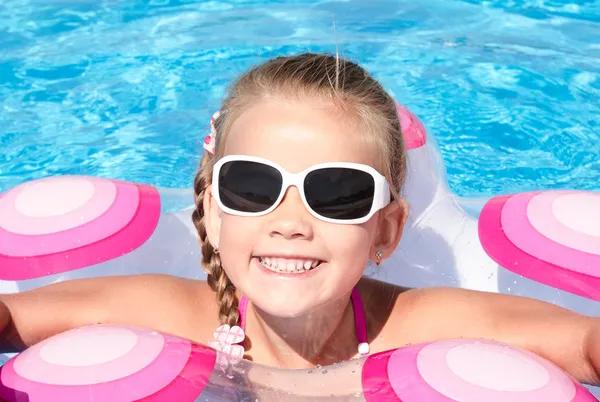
(350, 242)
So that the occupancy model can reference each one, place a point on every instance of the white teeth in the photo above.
(288, 265)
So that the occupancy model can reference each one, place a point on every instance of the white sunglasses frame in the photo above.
(381, 198)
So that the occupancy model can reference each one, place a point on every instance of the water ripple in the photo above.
(119, 89)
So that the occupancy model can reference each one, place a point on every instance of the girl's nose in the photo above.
(291, 219)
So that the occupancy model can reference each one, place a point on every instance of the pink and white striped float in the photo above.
(108, 363)
(552, 237)
(467, 371)
(60, 224)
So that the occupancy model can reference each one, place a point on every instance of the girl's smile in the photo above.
(285, 268)
(289, 264)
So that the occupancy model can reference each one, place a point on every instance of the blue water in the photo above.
(125, 89)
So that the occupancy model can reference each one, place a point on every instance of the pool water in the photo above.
(125, 89)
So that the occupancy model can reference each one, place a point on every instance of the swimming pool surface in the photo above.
(509, 88)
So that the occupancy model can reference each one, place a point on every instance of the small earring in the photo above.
(216, 249)
(379, 256)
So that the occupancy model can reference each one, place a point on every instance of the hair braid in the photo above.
(211, 261)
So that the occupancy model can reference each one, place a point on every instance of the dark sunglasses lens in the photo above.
(340, 193)
(249, 186)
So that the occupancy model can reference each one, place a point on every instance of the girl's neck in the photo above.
(324, 336)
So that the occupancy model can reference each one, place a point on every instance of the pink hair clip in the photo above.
(210, 140)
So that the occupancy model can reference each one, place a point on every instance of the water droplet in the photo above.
(310, 371)
(324, 371)
(318, 366)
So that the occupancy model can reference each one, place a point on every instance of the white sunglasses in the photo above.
(335, 192)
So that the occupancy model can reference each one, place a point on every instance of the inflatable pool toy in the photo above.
(69, 227)
(541, 244)
(108, 363)
(119, 364)
(94, 220)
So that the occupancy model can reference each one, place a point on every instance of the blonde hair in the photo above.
(347, 85)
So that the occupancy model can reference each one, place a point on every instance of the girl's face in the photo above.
(296, 135)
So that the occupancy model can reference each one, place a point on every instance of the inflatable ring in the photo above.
(538, 244)
(121, 364)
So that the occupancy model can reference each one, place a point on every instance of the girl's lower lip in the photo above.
(285, 275)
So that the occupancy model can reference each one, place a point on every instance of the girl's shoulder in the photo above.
(398, 316)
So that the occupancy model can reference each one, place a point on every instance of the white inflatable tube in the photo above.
(119, 364)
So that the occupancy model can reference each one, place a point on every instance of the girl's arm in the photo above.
(568, 339)
(34, 315)
(142, 300)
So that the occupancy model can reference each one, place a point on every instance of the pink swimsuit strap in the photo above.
(360, 323)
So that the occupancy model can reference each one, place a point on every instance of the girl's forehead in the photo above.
(299, 134)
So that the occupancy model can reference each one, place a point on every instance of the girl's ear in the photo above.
(212, 217)
(391, 224)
